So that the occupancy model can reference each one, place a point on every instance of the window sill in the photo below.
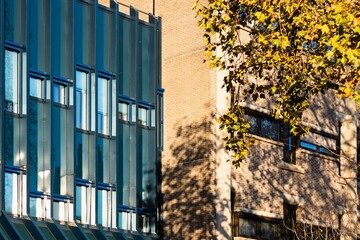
(291, 167)
(267, 140)
(243, 238)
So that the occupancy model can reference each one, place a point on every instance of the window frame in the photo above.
(109, 77)
(88, 71)
(260, 117)
(132, 109)
(43, 77)
(257, 220)
(160, 117)
(21, 91)
(66, 83)
(150, 110)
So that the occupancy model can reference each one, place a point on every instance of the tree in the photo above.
(296, 50)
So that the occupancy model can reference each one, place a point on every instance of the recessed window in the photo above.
(82, 100)
(143, 116)
(252, 226)
(59, 93)
(12, 81)
(37, 87)
(263, 126)
(103, 112)
(124, 111)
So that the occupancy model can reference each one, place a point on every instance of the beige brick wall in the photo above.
(188, 157)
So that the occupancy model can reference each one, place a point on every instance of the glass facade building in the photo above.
(81, 121)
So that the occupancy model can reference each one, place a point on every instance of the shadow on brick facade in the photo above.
(189, 184)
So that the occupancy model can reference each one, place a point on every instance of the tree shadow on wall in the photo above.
(189, 183)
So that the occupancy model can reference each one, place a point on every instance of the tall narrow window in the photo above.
(103, 112)
(82, 100)
(290, 220)
(36, 87)
(143, 116)
(59, 93)
(12, 81)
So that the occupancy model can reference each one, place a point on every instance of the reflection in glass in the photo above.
(12, 81)
(59, 94)
(143, 116)
(82, 100)
(103, 105)
(36, 88)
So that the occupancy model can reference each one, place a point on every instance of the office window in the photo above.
(59, 93)
(106, 207)
(82, 100)
(85, 202)
(143, 116)
(12, 81)
(252, 226)
(37, 87)
(320, 142)
(263, 126)
(103, 111)
(124, 111)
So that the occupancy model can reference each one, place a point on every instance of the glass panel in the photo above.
(268, 230)
(253, 123)
(59, 94)
(269, 129)
(247, 227)
(103, 105)
(144, 223)
(85, 205)
(153, 118)
(11, 193)
(143, 116)
(12, 78)
(36, 87)
(82, 100)
(124, 110)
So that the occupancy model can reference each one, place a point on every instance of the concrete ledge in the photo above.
(243, 238)
(292, 199)
(291, 167)
(258, 213)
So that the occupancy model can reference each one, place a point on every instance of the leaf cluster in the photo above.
(291, 52)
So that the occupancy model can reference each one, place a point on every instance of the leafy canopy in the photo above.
(296, 50)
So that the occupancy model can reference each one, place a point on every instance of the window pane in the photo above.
(11, 81)
(36, 88)
(82, 106)
(103, 105)
(124, 111)
(268, 230)
(59, 93)
(269, 129)
(247, 227)
(143, 117)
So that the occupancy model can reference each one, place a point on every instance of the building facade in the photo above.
(81, 120)
(287, 188)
